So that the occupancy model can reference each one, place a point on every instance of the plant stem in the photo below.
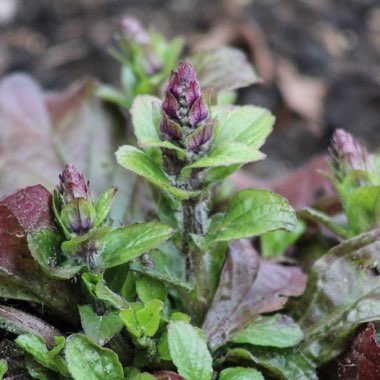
(193, 215)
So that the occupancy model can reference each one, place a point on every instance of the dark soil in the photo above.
(319, 60)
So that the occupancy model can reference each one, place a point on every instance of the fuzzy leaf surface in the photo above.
(189, 351)
(116, 247)
(343, 291)
(274, 331)
(363, 209)
(45, 247)
(226, 155)
(86, 360)
(247, 125)
(36, 346)
(144, 124)
(281, 364)
(99, 328)
(140, 163)
(159, 267)
(251, 213)
(239, 373)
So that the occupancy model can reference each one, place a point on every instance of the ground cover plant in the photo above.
(171, 274)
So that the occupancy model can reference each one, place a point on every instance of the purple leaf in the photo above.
(170, 105)
(193, 92)
(170, 129)
(167, 375)
(20, 276)
(361, 361)
(42, 132)
(248, 287)
(19, 322)
(200, 136)
(198, 112)
(186, 72)
(31, 207)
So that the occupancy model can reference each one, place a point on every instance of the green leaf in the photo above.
(189, 352)
(144, 376)
(342, 292)
(120, 245)
(86, 360)
(129, 318)
(163, 347)
(251, 213)
(215, 71)
(140, 163)
(142, 320)
(226, 155)
(36, 346)
(363, 209)
(143, 123)
(158, 266)
(3, 368)
(281, 364)
(100, 328)
(247, 125)
(103, 205)
(275, 243)
(325, 220)
(149, 289)
(45, 247)
(239, 373)
(274, 331)
(100, 291)
(149, 317)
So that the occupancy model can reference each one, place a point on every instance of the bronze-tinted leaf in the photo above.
(248, 288)
(361, 360)
(20, 276)
(19, 322)
(42, 132)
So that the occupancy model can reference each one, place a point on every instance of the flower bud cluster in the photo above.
(78, 212)
(185, 117)
(348, 154)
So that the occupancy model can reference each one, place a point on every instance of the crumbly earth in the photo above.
(319, 60)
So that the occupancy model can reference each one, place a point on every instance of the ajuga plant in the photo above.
(188, 294)
(159, 299)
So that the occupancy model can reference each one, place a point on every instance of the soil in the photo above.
(319, 60)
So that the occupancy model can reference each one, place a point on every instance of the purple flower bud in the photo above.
(134, 31)
(200, 137)
(186, 72)
(198, 112)
(73, 184)
(348, 154)
(184, 110)
(78, 215)
(174, 85)
(170, 105)
(170, 130)
(193, 93)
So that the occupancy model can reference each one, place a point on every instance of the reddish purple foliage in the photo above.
(248, 287)
(361, 361)
(184, 109)
(167, 375)
(31, 207)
